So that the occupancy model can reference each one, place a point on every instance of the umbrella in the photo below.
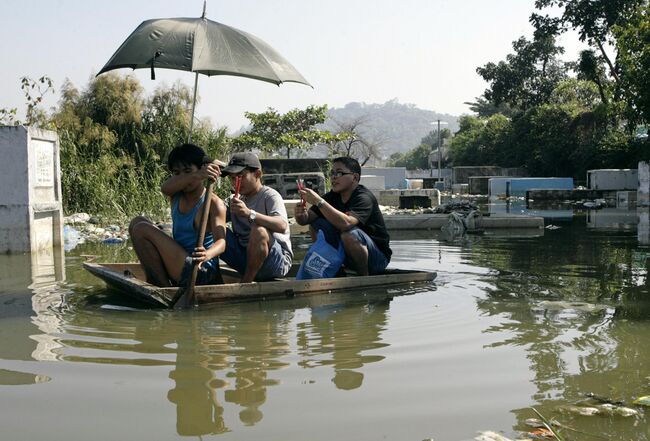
(204, 47)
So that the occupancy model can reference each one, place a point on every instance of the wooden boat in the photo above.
(129, 278)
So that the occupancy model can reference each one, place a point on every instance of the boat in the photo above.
(129, 278)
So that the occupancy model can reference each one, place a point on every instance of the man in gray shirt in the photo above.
(258, 247)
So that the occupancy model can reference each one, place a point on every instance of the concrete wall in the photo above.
(461, 175)
(643, 191)
(31, 208)
(393, 176)
(392, 197)
(613, 179)
(373, 182)
(538, 195)
(479, 184)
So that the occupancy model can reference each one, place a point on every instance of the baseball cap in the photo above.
(240, 161)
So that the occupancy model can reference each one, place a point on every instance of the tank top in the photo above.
(184, 232)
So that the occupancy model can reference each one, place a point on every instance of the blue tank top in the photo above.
(184, 232)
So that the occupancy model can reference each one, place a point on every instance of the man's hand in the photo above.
(301, 214)
(199, 255)
(209, 171)
(310, 196)
(239, 208)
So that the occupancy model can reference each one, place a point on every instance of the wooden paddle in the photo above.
(188, 291)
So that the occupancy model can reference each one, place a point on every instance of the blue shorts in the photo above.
(377, 261)
(277, 263)
(208, 274)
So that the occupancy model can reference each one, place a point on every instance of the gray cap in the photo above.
(240, 161)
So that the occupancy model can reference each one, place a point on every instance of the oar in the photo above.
(188, 290)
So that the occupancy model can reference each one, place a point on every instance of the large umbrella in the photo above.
(204, 47)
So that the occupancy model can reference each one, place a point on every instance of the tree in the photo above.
(418, 158)
(615, 29)
(592, 19)
(272, 132)
(484, 108)
(634, 59)
(349, 141)
(527, 76)
(482, 141)
(34, 91)
(114, 142)
(590, 68)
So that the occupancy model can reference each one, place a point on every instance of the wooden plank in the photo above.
(123, 276)
(126, 281)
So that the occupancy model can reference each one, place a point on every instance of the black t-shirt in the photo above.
(363, 206)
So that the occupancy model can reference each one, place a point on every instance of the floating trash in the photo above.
(113, 241)
(491, 436)
(579, 410)
(643, 401)
(71, 238)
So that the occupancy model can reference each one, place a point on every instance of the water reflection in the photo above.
(30, 287)
(578, 303)
(339, 333)
(643, 232)
(226, 359)
(612, 219)
(556, 212)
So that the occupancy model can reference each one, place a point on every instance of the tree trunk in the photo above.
(607, 60)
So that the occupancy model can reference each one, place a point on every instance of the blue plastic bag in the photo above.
(322, 260)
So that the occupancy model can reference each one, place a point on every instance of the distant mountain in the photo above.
(398, 127)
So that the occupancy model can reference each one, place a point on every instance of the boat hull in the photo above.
(129, 278)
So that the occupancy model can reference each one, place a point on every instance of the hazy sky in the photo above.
(423, 52)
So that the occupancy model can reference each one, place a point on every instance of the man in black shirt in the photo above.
(349, 213)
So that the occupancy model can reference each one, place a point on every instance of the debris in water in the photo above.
(643, 401)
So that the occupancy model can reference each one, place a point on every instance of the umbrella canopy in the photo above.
(202, 46)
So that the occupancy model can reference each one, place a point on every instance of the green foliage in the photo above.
(482, 141)
(528, 76)
(418, 158)
(415, 159)
(633, 38)
(559, 126)
(272, 132)
(34, 91)
(114, 142)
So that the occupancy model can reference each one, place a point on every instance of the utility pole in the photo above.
(439, 153)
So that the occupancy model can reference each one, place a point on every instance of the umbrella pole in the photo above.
(196, 84)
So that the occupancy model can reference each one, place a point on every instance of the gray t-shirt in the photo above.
(266, 201)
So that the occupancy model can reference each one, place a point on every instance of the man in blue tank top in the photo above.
(258, 247)
(168, 261)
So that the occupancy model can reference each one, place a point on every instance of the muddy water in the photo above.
(512, 322)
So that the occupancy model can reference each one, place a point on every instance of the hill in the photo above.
(397, 127)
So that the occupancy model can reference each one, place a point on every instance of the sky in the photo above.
(421, 52)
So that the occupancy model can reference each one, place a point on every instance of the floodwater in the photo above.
(514, 321)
